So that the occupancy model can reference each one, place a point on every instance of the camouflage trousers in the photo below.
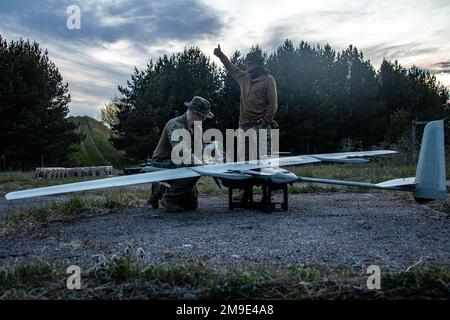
(257, 126)
(182, 192)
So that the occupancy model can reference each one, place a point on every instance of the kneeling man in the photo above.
(178, 195)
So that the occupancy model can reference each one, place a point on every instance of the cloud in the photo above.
(110, 21)
(441, 67)
(391, 51)
(115, 36)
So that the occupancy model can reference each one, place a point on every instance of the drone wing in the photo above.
(172, 174)
(237, 171)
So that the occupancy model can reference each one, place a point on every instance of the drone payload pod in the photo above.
(428, 184)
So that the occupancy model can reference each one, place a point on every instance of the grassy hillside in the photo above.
(96, 149)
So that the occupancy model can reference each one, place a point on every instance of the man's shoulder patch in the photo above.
(177, 122)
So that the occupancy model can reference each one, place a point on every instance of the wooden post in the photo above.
(413, 136)
(413, 139)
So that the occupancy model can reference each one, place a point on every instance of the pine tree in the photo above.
(33, 106)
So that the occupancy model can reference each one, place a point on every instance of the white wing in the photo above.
(179, 173)
(225, 170)
(305, 159)
(355, 154)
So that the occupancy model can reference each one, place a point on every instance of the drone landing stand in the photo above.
(247, 200)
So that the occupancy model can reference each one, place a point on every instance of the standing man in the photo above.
(178, 195)
(258, 101)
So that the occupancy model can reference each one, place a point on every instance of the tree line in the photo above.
(328, 100)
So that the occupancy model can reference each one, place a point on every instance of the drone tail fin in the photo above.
(430, 173)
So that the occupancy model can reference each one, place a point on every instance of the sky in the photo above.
(116, 36)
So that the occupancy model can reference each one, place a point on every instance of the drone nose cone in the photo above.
(284, 177)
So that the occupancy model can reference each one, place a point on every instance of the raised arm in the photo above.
(231, 68)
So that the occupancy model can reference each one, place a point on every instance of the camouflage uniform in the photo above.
(182, 192)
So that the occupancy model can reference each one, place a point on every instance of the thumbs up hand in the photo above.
(217, 51)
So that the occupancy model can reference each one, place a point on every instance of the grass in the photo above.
(98, 203)
(435, 282)
(19, 180)
(443, 206)
(15, 177)
(127, 278)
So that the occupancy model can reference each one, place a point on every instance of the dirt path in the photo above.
(350, 230)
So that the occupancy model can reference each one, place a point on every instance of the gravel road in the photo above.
(351, 230)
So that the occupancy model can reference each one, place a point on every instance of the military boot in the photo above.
(158, 190)
(171, 207)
